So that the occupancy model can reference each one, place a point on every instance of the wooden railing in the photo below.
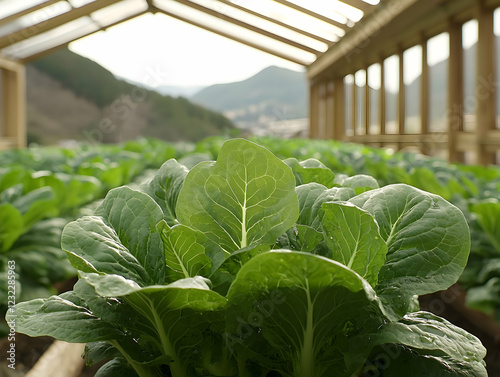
(335, 108)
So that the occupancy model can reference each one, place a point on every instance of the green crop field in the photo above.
(266, 257)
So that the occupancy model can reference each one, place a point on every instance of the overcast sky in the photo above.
(160, 50)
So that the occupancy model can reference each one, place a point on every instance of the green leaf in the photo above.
(359, 183)
(427, 237)
(334, 194)
(62, 317)
(134, 215)
(392, 360)
(175, 314)
(35, 206)
(11, 176)
(165, 186)
(310, 170)
(299, 238)
(301, 309)
(94, 246)
(488, 216)
(185, 252)
(246, 197)
(99, 351)
(11, 225)
(429, 336)
(485, 298)
(353, 237)
(307, 194)
(116, 367)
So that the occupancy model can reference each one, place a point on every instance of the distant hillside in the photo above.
(72, 97)
(178, 91)
(271, 95)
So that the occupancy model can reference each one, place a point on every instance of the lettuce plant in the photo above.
(250, 266)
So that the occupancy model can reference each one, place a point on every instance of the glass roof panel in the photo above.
(10, 7)
(293, 17)
(119, 11)
(52, 38)
(335, 10)
(236, 32)
(36, 17)
(79, 3)
(261, 23)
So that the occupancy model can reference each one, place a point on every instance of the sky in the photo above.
(159, 50)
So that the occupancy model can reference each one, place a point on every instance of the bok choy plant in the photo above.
(250, 266)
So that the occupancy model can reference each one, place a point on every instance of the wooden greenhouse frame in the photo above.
(387, 28)
(389, 32)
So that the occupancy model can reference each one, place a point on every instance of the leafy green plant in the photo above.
(232, 269)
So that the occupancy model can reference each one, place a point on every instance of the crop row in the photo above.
(42, 189)
(253, 265)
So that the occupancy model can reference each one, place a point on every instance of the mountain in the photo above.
(178, 90)
(72, 97)
(273, 94)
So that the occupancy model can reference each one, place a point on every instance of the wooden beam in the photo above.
(396, 23)
(400, 140)
(295, 28)
(232, 36)
(455, 107)
(26, 11)
(359, 4)
(365, 30)
(65, 44)
(312, 14)
(247, 26)
(485, 83)
(60, 360)
(52, 23)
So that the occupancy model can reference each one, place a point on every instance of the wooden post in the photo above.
(381, 110)
(367, 104)
(424, 99)
(401, 97)
(354, 109)
(455, 111)
(321, 110)
(330, 110)
(339, 109)
(313, 110)
(13, 104)
(485, 79)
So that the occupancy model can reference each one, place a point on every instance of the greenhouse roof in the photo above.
(295, 30)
